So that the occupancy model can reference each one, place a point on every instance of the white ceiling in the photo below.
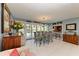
(53, 11)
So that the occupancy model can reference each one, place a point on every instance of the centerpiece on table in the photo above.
(17, 26)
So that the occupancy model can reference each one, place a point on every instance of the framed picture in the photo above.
(71, 26)
(5, 18)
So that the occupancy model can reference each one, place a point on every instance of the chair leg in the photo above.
(40, 43)
(43, 42)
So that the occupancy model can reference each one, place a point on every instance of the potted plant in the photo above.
(17, 26)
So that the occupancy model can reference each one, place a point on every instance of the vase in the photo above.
(17, 32)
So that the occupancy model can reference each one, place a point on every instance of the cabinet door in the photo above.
(5, 43)
(75, 40)
(70, 38)
(17, 42)
(67, 38)
(64, 37)
(11, 43)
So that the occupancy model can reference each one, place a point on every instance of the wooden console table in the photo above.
(10, 42)
(71, 38)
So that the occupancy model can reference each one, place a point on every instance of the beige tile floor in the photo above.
(56, 48)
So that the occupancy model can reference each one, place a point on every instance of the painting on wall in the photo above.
(5, 19)
(71, 26)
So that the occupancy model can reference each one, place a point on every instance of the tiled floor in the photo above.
(56, 48)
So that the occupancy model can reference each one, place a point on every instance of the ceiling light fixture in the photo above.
(44, 18)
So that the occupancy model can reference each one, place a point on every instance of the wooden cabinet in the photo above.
(10, 42)
(70, 38)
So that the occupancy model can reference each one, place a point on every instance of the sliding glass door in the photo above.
(35, 27)
(28, 31)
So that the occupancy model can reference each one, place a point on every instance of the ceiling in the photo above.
(44, 12)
